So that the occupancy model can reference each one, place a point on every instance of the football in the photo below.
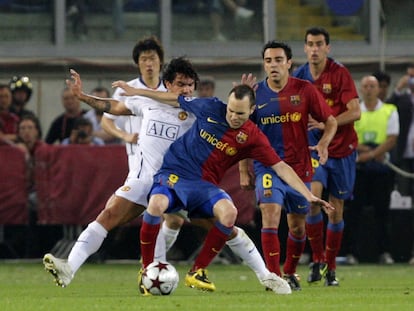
(160, 278)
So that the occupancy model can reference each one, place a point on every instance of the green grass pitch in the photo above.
(26, 286)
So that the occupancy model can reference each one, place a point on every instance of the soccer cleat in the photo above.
(141, 287)
(276, 284)
(330, 279)
(59, 268)
(317, 271)
(386, 259)
(198, 279)
(293, 281)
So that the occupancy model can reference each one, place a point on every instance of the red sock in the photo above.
(148, 237)
(213, 244)
(333, 246)
(314, 231)
(271, 249)
(294, 249)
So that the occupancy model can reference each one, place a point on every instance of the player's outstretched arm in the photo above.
(168, 98)
(101, 104)
(285, 172)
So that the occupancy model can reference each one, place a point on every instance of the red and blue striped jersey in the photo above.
(283, 118)
(210, 146)
(338, 88)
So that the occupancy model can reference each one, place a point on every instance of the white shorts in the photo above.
(135, 190)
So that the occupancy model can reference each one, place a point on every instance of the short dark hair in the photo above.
(34, 119)
(101, 89)
(148, 44)
(81, 121)
(180, 65)
(275, 45)
(315, 31)
(382, 76)
(208, 81)
(242, 90)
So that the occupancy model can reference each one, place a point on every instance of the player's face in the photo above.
(369, 88)
(276, 65)
(238, 111)
(181, 85)
(316, 49)
(149, 64)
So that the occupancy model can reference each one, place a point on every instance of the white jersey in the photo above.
(132, 123)
(161, 126)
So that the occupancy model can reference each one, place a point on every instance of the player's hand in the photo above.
(131, 138)
(322, 153)
(327, 207)
(128, 90)
(75, 85)
(248, 79)
(313, 124)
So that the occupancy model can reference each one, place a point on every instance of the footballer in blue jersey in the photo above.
(337, 174)
(221, 136)
(284, 106)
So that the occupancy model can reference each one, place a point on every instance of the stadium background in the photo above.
(38, 40)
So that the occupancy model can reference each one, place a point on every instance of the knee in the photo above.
(229, 217)
(158, 204)
(298, 230)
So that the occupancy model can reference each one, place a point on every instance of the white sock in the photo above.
(244, 247)
(165, 239)
(87, 243)
(160, 253)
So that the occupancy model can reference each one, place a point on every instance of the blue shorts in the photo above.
(337, 175)
(271, 189)
(198, 197)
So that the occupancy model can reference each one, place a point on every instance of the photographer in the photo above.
(82, 133)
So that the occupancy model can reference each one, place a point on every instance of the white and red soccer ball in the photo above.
(160, 278)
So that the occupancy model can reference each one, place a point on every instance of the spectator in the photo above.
(82, 134)
(384, 80)
(206, 87)
(21, 89)
(403, 98)
(8, 120)
(29, 139)
(95, 116)
(377, 131)
(76, 13)
(62, 125)
(217, 10)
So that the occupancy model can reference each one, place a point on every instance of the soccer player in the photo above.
(283, 105)
(129, 201)
(337, 175)
(193, 166)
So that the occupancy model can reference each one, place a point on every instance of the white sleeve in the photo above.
(393, 127)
